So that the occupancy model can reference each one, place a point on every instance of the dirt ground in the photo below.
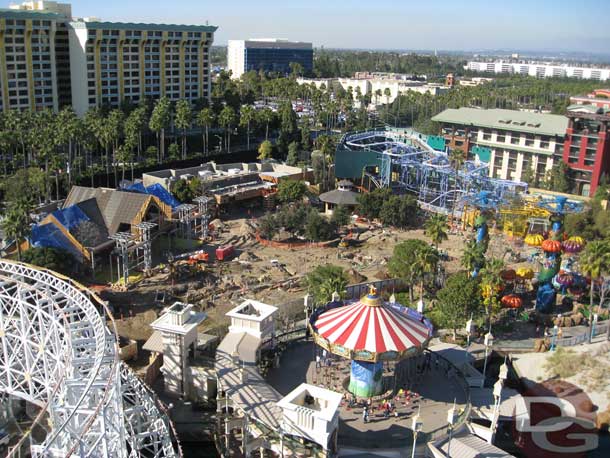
(250, 273)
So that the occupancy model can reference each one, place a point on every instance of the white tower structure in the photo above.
(254, 318)
(312, 412)
(178, 327)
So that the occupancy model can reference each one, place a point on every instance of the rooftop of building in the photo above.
(10, 13)
(511, 120)
(95, 25)
(252, 310)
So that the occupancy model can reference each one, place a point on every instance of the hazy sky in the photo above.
(570, 25)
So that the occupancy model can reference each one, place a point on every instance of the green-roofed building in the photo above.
(511, 141)
(51, 60)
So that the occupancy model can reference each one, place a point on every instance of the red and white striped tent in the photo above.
(370, 330)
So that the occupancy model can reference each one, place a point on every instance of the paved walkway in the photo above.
(435, 394)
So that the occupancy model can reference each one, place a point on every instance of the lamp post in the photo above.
(469, 330)
(417, 426)
(593, 323)
(489, 340)
(451, 419)
(554, 340)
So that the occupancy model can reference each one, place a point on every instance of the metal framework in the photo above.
(145, 244)
(408, 163)
(203, 213)
(186, 217)
(57, 353)
(123, 241)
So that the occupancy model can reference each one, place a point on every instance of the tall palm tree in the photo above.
(247, 115)
(227, 120)
(491, 282)
(595, 261)
(16, 222)
(426, 261)
(205, 119)
(472, 256)
(266, 116)
(436, 228)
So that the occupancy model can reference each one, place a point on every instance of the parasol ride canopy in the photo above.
(371, 330)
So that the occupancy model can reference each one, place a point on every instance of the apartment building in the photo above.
(517, 140)
(115, 62)
(49, 60)
(34, 57)
(540, 69)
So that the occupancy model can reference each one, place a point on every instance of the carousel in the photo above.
(369, 332)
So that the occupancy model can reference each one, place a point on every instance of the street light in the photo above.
(417, 426)
(488, 341)
(593, 323)
(451, 419)
(554, 341)
(469, 330)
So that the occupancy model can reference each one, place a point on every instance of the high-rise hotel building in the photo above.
(87, 63)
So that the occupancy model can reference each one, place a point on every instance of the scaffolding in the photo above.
(202, 221)
(186, 218)
(144, 246)
(123, 241)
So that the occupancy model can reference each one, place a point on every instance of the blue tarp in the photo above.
(155, 190)
(70, 217)
(50, 236)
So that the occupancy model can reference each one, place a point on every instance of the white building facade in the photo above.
(540, 69)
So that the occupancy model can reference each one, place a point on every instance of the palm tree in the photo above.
(16, 222)
(247, 115)
(426, 261)
(159, 121)
(184, 118)
(473, 257)
(436, 228)
(595, 261)
(266, 115)
(227, 119)
(205, 119)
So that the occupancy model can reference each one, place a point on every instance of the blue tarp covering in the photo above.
(155, 190)
(49, 236)
(70, 217)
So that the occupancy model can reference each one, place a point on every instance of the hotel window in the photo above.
(501, 138)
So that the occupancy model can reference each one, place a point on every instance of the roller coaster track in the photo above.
(57, 352)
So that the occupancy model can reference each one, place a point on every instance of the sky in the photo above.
(537, 25)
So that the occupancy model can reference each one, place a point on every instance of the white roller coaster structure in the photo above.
(57, 352)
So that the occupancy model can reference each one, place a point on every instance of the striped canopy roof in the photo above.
(372, 326)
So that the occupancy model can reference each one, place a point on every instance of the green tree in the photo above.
(436, 228)
(205, 119)
(182, 191)
(16, 222)
(159, 121)
(268, 226)
(51, 258)
(473, 255)
(399, 211)
(293, 154)
(291, 190)
(325, 280)
(595, 262)
(266, 116)
(426, 262)
(529, 176)
(264, 150)
(183, 121)
(370, 203)
(174, 151)
(318, 228)
(457, 301)
(227, 120)
(341, 216)
(404, 262)
(247, 117)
